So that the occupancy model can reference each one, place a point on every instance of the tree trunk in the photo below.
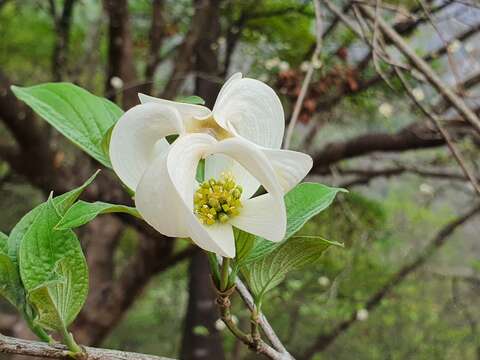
(200, 338)
(121, 77)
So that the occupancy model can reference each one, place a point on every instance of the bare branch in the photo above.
(364, 176)
(411, 137)
(10, 345)
(265, 325)
(425, 69)
(448, 139)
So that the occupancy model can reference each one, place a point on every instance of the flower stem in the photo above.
(224, 276)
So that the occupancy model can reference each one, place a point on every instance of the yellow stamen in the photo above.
(217, 200)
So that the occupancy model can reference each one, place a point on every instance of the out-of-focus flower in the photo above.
(284, 66)
(362, 314)
(304, 66)
(272, 63)
(418, 94)
(116, 82)
(427, 189)
(385, 109)
(323, 281)
(454, 46)
(317, 64)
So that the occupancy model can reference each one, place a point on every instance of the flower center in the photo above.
(217, 200)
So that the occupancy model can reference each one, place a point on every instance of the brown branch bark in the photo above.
(62, 27)
(323, 341)
(156, 35)
(120, 54)
(412, 137)
(364, 176)
(185, 58)
(10, 345)
(33, 156)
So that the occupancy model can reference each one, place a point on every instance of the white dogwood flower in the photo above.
(240, 142)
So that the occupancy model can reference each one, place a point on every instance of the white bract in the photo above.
(240, 142)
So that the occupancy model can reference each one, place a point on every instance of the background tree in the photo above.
(390, 112)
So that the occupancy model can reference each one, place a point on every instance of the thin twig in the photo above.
(451, 61)
(263, 322)
(308, 77)
(446, 135)
(425, 69)
(255, 344)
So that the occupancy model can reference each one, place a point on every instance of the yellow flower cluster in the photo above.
(217, 200)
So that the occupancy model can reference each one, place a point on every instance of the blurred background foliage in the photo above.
(432, 314)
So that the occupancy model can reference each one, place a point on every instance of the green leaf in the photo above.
(194, 99)
(53, 270)
(303, 202)
(3, 242)
(83, 212)
(10, 286)
(105, 144)
(266, 273)
(244, 243)
(79, 115)
(65, 201)
(62, 203)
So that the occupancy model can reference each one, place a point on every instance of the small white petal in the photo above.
(217, 238)
(252, 158)
(186, 111)
(216, 164)
(290, 166)
(263, 217)
(138, 137)
(252, 110)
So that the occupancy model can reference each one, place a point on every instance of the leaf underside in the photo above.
(266, 273)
